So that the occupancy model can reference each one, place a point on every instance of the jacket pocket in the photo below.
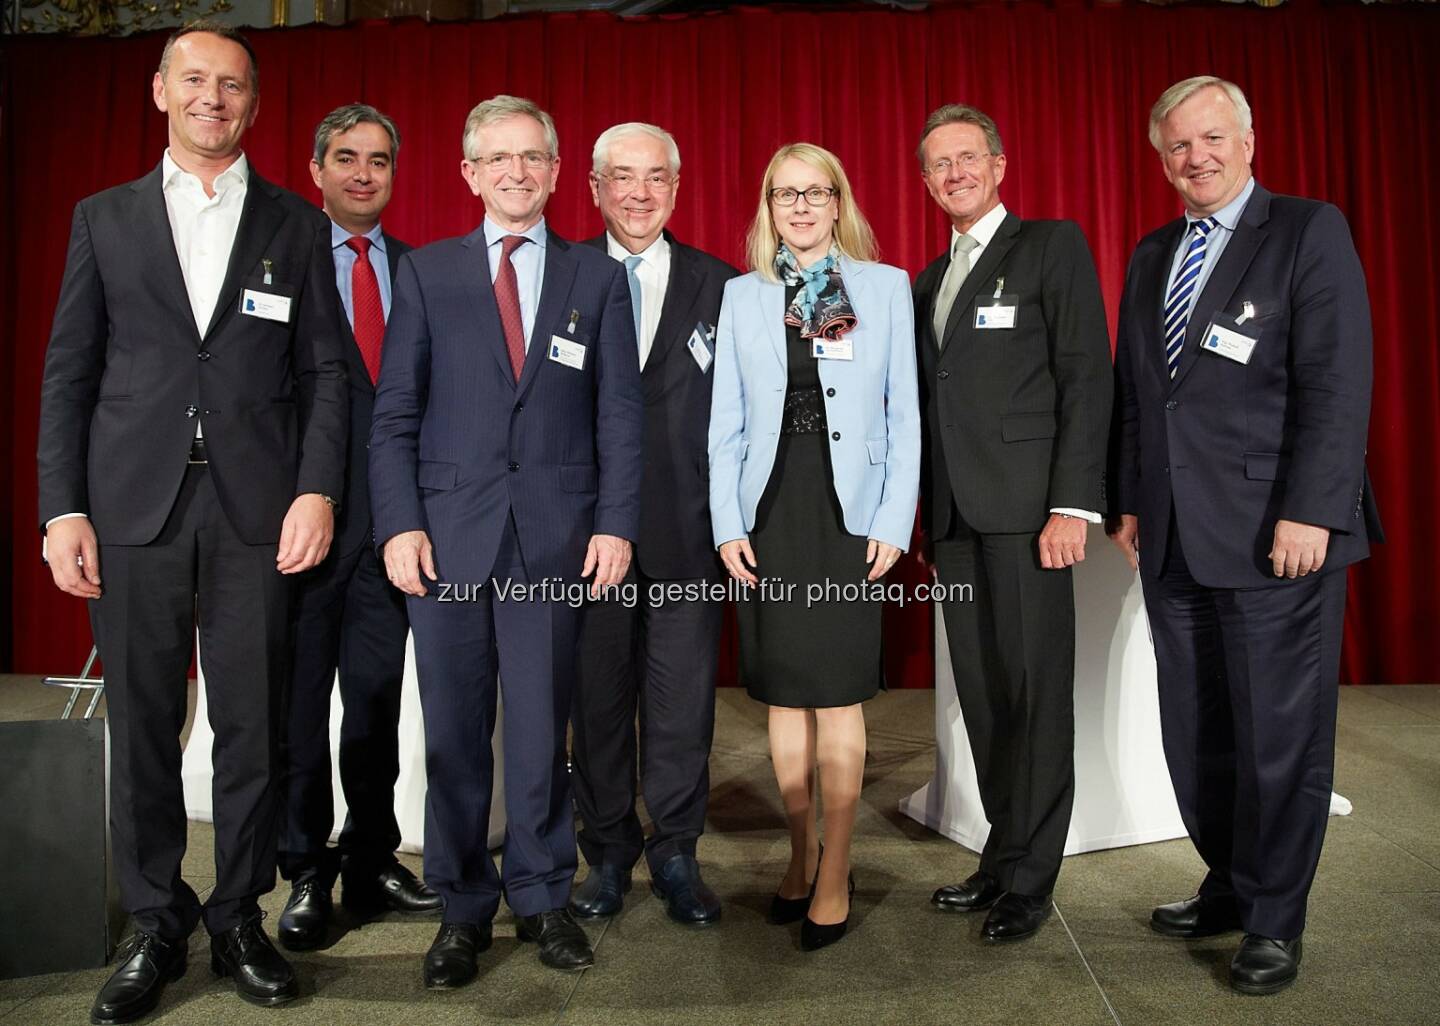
(435, 475)
(579, 478)
(878, 448)
(1267, 466)
(1021, 427)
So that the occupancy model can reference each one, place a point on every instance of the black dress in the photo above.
(793, 651)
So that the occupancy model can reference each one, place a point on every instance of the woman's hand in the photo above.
(881, 557)
(735, 555)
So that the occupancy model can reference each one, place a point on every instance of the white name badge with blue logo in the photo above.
(265, 304)
(1227, 342)
(1000, 313)
(564, 351)
(699, 346)
(832, 349)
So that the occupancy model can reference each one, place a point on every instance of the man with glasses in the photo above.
(504, 467)
(656, 655)
(1016, 383)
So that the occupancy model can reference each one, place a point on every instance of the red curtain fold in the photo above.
(1344, 111)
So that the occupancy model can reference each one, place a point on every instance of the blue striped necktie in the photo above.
(1177, 301)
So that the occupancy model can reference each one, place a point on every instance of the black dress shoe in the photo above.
(980, 890)
(394, 888)
(307, 913)
(602, 893)
(563, 945)
(261, 974)
(147, 963)
(1016, 916)
(1263, 965)
(1195, 917)
(814, 936)
(688, 899)
(450, 962)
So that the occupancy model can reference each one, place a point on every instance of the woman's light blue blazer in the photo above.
(871, 405)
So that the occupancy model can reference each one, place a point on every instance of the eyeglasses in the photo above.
(532, 159)
(966, 162)
(624, 181)
(815, 196)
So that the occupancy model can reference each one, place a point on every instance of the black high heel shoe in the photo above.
(784, 911)
(813, 935)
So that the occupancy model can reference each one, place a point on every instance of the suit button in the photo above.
(519, 407)
(943, 375)
(836, 436)
(514, 466)
(190, 411)
(830, 392)
(202, 356)
(1171, 404)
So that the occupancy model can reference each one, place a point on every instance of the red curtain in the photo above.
(1345, 110)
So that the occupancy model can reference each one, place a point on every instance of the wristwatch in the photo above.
(332, 503)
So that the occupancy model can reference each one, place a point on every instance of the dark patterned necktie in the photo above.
(507, 297)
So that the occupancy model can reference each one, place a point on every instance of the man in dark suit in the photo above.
(348, 616)
(504, 466)
(192, 438)
(1243, 380)
(654, 651)
(1016, 383)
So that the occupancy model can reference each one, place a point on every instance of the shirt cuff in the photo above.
(44, 547)
(1079, 514)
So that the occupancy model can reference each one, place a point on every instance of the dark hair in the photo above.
(214, 28)
(342, 119)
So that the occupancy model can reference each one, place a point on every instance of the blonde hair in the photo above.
(853, 235)
(1183, 90)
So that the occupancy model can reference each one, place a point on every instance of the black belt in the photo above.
(197, 451)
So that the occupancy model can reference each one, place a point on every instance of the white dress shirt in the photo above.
(654, 274)
(982, 231)
(529, 264)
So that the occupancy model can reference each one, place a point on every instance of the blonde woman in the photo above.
(814, 470)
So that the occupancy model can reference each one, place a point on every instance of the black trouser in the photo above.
(1248, 693)
(1013, 650)
(348, 617)
(144, 623)
(657, 658)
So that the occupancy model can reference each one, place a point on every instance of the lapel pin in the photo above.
(999, 287)
(574, 317)
(1247, 311)
(269, 268)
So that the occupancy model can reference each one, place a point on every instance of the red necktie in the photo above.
(368, 318)
(507, 297)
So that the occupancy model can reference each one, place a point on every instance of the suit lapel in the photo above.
(259, 221)
(554, 291)
(980, 276)
(681, 292)
(152, 224)
(1157, 283)
(772, 312)
(475, 272)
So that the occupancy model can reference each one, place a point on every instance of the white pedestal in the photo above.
(409, 789)
(1122, 786)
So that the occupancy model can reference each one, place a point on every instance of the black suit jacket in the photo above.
(1016, 419)
(675, 539)
(1233, 447)
(127, 372)
(352, 522)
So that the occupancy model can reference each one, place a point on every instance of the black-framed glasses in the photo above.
(815, 196)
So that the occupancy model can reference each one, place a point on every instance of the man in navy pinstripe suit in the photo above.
(504, 467)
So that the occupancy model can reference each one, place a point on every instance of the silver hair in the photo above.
(498, 108)
(960, 114)
(343, 119)
(600, 156)
(1182, 91)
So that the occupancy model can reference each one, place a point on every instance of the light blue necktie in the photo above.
(1177, 302)
(632, 266)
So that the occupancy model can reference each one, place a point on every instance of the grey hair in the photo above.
(1182, 91)
(214, 28)
(343, 119)
(497, 108)
(960, 114)
(599, 157)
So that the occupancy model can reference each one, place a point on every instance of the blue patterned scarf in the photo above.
(821, 307)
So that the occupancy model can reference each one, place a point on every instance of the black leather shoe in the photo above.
(814, 936)
(261, 974)
(450, 962)
(146, 964)
(980, 890)
(1195, 917)
(688, 899)
(563, 945)
(1016, 916)
(602, 893)
(394, 888)
(1263, 965)
(307, 913)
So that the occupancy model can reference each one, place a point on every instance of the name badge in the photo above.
(700, 346)
(564, 351)
(1229, 343)
(832, 349)
(999, 313)
(255, 303)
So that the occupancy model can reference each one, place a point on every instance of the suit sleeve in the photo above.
(727, 425)
(74, 362)
(321, 381)
(1080, 362)
(894, 520)
(1124, 477)
(400, 397)
(619, 416)
(1330, 375)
